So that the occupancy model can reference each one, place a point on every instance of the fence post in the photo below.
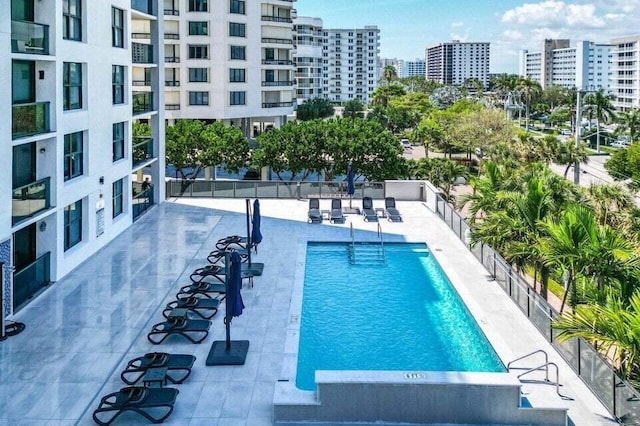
(529, 302)
(510, 284)
(494, 264)
(1, 301)
(579, 358)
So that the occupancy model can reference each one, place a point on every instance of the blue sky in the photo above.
(407, 27)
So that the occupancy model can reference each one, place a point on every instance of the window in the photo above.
(237, 75)
(237, 98)
(117, 27)
(73, 155)
(117, 80)
(236, 29)
(198, 75)
(238, 52)
(237, 6)
(118, 141)
(117, 197)
(72, 224)
(72, 82)
(71, 20)
(198, 51)
(198, 28)
(198, 98)
(198, 5)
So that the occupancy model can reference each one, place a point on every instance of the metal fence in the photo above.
(271, 189)
(620, 398)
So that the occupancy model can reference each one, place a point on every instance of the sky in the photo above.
(407, 27)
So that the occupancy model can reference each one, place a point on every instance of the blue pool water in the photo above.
(402, 315)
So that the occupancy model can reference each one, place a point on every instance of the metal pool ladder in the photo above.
(543, 367)
(372, 254)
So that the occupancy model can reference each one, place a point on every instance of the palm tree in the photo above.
(630, 121)
(599, 104)
(609, 201)
(528, 90)
(353, 109)
(568, 154)
(484, 199)
(389, 74)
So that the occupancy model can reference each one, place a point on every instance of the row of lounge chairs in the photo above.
(371, 214)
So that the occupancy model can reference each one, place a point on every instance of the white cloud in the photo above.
(554, 13)
(512, 34)
(613, 16)
(457, 24)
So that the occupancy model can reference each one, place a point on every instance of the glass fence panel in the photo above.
(627, 403)
(202, 188)
(519, 293)
(332, 189)
(597, 374)
(267, 189)
(539, 315)
(372, 189)
(291, 189)
(568, 349)
(245, 189)
(223, 189)
(502, 277)
(307, 190)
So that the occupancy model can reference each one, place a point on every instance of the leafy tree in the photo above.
(315, 108)
(418, 102)
(559, 116)
(195, 145)
(481, 129)
(419, 84)
(624, 165)
(528, 90)
(567, 154)
(353, 109)
(474, 85)
(140, 129)
(383, 94)
(599, 104)
(629, 121)
(400, 119)
(445, 96)
(389, 74)
(556, 96)
(442, 172)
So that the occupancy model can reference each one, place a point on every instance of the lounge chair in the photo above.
(368, 211)
(232, 242)
(204, 307)
(393, 215)
(336, 211)
(210, 290)
(217, 272)
(178, 367)
(193, 330)
(217, 257)
(314, 215)
(155, 404)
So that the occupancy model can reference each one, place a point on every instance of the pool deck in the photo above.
(82, 330)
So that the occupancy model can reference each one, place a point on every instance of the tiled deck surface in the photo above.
(84, 328)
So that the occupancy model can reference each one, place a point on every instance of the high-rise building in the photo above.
(229, 61)
(73, 173)
(456, 62)
(625, 72)
(397, 64)
(414, 68)
(585, 66)
(308, 57)
(350, 63)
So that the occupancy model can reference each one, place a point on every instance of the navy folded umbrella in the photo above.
(256, 236)
(234, 284)
(351, 189)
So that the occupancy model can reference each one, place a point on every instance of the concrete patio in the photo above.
(83, 329)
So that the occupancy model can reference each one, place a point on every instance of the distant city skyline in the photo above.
(407, 27)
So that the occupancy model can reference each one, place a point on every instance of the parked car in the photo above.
(566, 132)
(619, 144)
(405, 143)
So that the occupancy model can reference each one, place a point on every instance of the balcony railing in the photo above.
(172, 12)
(277, 62)
(172, 83)
(277, 83)
(28, 200)
(142, 102)
(141, 82)
(171, 36)
(277, 40)
(142, 150)
(30, 280)
(277, 104)
(141, 53)
(141, 35)
(142, 200)
(277, 19)
(144, 6)
(29, 37)
(171, 107)
(171, 59)
(29, 119)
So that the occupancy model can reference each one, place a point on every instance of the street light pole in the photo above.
(576, 166)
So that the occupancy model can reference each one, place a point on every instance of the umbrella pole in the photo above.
(227, 318)
(248, 201)
(2, 337)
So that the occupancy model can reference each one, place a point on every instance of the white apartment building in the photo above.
(397, 64)
(72, 171)
(625, 72)
(585, 65)
(350, 63)
(229, 60)
(455, 62)
(307, 56)
(414, 68)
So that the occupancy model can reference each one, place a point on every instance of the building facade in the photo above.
(456, 62)
(307, 55)
(73, 171)
(414, 68)
(230, 61)
(625, 72)
(586, 65)
(350, 63)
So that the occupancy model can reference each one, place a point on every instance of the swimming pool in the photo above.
(400, 315)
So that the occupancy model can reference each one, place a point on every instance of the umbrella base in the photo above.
(256, 269)
(236, 355)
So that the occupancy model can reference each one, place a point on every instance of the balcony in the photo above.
(171, 12)
(28, 200)
(277, 19)
(30, 119)
(172, 59)
(277, 83)
(142, 200)
(172, 83)
(171, 36)
(277, 62)
(29, 38)
(142, 150)
(141, 53)
(144, 6)
(145, 36)
(277, 40)
(142, 102)
(31, 279)
(172, 107)
(145, 83)
(277, 104)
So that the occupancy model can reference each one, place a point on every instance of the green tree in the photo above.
(419, 84)
(559, 116)
(383, 94)
(441, 172)
(599, 104)
(140, 130)
(193, 144)
(624, 165)
(353, 109)
(629, 121)
(568, 154)
(445, 96)
(529, 90)
(314, 108)
(389, 74)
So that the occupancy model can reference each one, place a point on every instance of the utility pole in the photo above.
(576, 166)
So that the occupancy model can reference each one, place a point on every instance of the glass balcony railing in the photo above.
(142, 150)
(141, 53)
(30, 280)
(144, 6)
(29, 119)
(142, 102)
(142, 200)
(30, 199)
(29, 37)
